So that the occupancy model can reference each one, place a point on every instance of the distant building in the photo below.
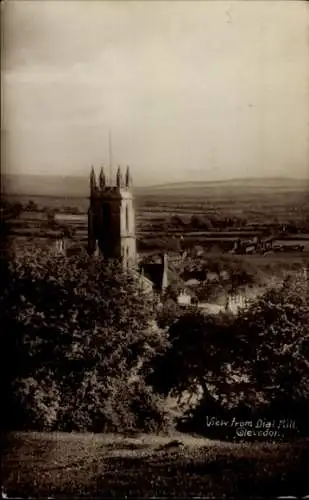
(157, 273)
(235, 302)
(184, 298)
(60, 246)
(162, 274)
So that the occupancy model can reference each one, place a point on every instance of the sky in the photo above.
(200, 90)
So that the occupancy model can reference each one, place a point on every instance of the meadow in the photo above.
(184, 216)
(267, 202)
(82, 465)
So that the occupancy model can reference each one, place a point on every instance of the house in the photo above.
(163, 275)
(184, 298)
(157, 273)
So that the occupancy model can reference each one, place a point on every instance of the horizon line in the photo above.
(169, 183)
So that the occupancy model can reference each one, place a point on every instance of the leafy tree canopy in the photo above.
(83, 325)
(258, 361)
(274, 334)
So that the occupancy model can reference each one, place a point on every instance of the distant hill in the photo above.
(70, 186)
(231, 185)
(252, 181)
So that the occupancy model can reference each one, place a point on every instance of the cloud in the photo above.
(181, 84)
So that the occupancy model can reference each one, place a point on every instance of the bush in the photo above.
(37, 402)
(85, 354)
(81, 331)
(31, 206)
(255, 365)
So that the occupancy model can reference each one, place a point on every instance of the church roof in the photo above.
(154, 272)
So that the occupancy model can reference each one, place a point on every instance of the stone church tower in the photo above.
(111, 218)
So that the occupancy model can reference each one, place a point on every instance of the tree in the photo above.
(196, 222)
(200, 355)
(169, 312)
(274, 334)
(173, 244)
(31, 206)
(177, 221)
(68, 231)
(81, 331)
(207, 224)
(50, 216)
(256, 364)
(16, 209)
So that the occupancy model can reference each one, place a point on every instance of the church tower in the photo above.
(111, 218)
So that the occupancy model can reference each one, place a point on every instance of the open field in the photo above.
(281, 203)
(223, 211)
(58, 464)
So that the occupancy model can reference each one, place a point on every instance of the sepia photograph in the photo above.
(154, 249)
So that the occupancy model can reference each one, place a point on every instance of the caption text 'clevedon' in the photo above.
(255, 428)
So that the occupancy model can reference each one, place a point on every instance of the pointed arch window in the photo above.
(127, 218)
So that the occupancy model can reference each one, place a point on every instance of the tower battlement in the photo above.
(102, 185)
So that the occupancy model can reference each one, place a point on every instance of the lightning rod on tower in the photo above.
(110, 158)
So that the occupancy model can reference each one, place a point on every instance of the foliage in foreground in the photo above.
(250, 366)
(85, 354)
(78, 332)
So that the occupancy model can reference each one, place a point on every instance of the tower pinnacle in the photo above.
(128, 178)
(119, 181)
(93, 182)
(102, 180)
